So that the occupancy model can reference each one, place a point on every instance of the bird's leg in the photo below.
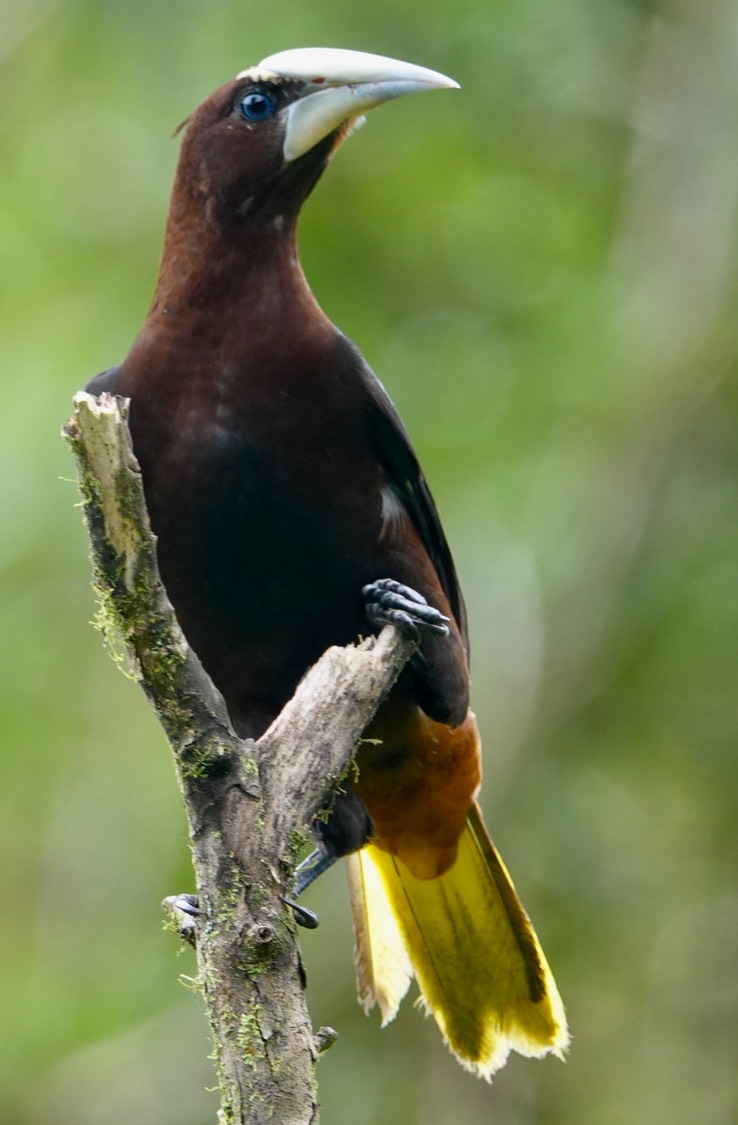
(345, 829)
(390, 603)
(306, 873)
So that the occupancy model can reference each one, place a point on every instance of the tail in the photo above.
(471, 946)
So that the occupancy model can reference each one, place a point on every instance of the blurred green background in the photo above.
(542, 269)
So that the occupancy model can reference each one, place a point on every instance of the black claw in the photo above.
(390, 603)
(305, 874)
(308, 919)
(186, 904)
(186, 910)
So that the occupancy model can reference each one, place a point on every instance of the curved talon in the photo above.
(306, 873)
(391, 603)
(308, 919)
(186, 904)
(186, 910)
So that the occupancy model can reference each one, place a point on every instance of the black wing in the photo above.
(105, 382)
(394, 451)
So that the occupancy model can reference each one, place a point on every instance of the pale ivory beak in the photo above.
(341, 85)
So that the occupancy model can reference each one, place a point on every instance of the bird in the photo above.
(291, 514)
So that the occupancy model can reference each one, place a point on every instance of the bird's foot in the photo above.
(390, 603)
(185, 910)
(305, 874)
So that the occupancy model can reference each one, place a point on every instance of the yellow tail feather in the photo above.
(480, 968)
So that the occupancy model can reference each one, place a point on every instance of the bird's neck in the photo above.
(230, 301)
(208, 268)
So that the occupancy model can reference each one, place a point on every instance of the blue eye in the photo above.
(257, 106)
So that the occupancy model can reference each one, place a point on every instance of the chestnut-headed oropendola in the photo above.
(291, 514)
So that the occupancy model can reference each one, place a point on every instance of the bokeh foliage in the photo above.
(542, 269)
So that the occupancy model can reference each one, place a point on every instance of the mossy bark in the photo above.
(248, 804)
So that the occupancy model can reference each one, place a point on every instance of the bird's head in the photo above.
(255, 148)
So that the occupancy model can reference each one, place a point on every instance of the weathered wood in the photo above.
(248, 805)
